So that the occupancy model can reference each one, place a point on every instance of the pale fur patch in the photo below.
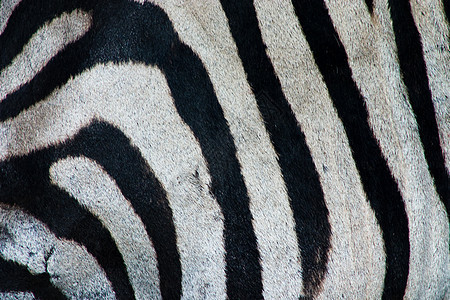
(17, 296)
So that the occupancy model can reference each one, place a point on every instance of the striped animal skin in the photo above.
(205, 149)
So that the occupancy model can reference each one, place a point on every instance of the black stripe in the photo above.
(447, 12)
(149, 37)
(414, 74)
(369, 4)
(109, 147)
(378, 183)
(297, 167)
(17, 278)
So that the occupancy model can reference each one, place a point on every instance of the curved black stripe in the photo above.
(148, 37)
(297, 167)
(414, 74)
(17, 278)
(378, 183)
(109, 147)
(25, 183)
(26, 19)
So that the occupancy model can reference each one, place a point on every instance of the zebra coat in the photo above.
(232, 149)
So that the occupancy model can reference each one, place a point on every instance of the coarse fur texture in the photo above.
(224, 149)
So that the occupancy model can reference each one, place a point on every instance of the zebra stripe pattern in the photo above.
(224, 149)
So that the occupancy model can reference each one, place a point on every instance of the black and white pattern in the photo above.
(224, 149)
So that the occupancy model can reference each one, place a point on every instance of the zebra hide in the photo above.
(224, 149)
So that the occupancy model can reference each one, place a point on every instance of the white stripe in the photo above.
(87, 182)
(17, 296)
(72, 269)
(43, 45)
(370, 46)
(357, 247)
(136, 99)
(203, 26)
